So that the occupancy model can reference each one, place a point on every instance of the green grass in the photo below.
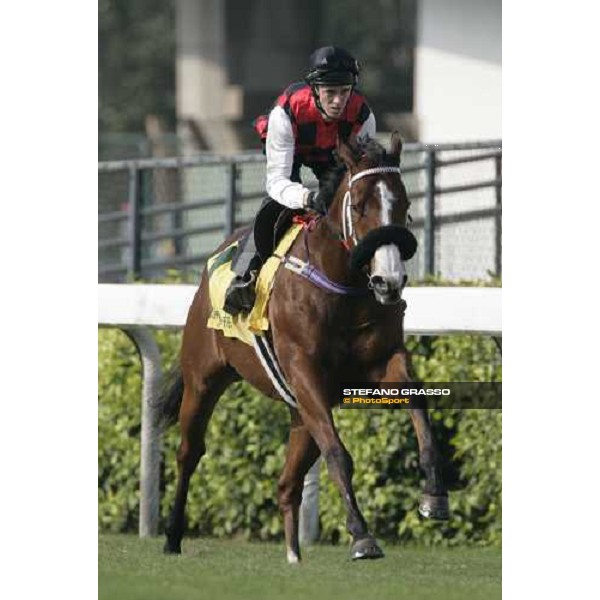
(132, 568)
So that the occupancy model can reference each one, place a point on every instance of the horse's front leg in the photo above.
(434, 500)
(311, 392)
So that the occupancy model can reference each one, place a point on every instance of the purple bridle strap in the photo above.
(319, 279)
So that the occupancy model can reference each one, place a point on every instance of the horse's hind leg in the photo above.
(301, 454)
(199, 400)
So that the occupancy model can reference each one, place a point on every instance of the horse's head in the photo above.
(372, 206)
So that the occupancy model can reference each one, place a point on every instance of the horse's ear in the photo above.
(347, 153)
(396, 145)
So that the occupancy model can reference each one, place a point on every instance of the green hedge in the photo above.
(234, 492)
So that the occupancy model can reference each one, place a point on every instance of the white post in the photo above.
(309, 509)
(150, 439)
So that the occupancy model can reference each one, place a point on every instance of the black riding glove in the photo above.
(315, 201)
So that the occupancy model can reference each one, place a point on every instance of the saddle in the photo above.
(245, 326)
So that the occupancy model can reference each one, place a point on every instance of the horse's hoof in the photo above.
(434, 507)
(366, 548)
(170, 548)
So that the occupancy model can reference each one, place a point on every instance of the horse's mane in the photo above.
(369, 149)
(331, 180)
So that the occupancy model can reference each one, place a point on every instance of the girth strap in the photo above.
(269, 362)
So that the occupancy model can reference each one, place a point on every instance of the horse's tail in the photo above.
(167, 402)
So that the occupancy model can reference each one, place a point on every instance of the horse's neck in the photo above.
(325, 246)
(335, 215)
(327, 251)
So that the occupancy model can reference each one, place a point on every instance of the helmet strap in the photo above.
(318, 101)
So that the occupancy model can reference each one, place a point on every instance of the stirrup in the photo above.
(241, 282)
(241, 295)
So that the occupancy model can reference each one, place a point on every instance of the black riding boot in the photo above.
(241, 294)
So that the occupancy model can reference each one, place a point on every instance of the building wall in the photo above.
(268, 44)
(458, 70)
(233, 59)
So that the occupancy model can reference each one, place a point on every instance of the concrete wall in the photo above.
(233, 58)
(206, 102)
(458, 70)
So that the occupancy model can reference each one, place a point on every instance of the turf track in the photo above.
(130, 568)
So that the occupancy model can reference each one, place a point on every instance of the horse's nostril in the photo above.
(404, 280)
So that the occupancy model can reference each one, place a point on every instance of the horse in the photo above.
(348, 329)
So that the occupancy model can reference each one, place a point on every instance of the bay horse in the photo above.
(320, 337)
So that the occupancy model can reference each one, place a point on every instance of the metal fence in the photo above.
(161, 214)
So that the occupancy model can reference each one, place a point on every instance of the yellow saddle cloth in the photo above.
(244, 326)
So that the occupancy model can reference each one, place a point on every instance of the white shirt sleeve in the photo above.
(280, 159)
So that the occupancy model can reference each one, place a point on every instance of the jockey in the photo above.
(302, 129)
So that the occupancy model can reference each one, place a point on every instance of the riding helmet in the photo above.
(332, 66)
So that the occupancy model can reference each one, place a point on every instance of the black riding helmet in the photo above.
(332, 66)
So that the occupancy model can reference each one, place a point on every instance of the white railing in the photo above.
(136, 309)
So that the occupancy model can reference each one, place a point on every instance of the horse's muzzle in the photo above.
(386, 291)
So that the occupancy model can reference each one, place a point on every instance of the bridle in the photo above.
(309, 271)
(347, 205)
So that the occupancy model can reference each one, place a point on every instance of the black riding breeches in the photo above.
(257, 244)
